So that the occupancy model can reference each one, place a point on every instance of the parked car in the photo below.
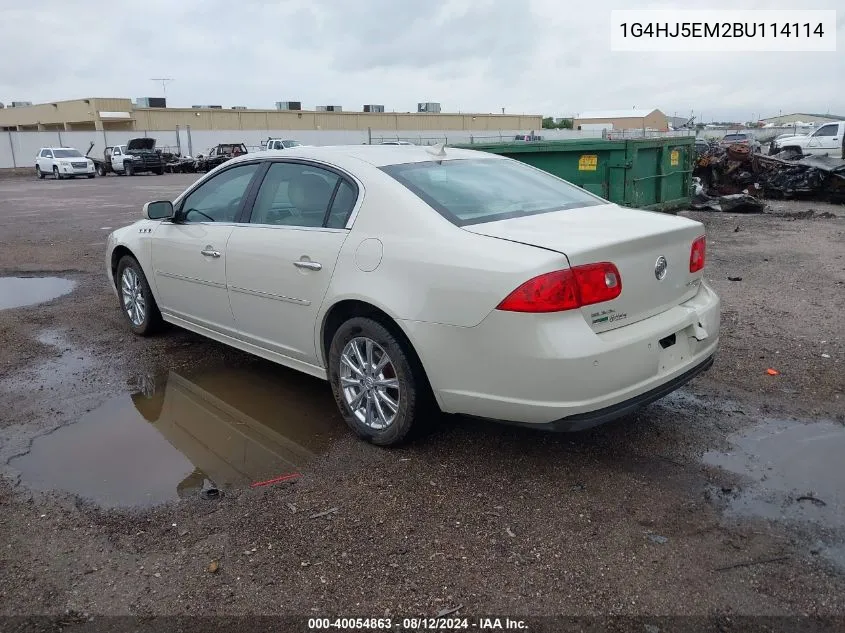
(527, 137)
(218, 155)
(741, 138)
(462, 279)
(281, 143)
(137, 156)
(396, 143)
(63, 162)
(827, 139)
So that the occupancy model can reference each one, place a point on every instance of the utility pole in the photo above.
(164, 81)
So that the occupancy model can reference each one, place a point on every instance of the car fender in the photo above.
(136, 238)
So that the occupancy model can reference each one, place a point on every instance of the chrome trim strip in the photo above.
(291, 226)
(270, 295)
(204, 282)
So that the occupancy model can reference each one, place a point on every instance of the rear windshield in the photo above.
(485, 190)
(66, 153)
(735, 137)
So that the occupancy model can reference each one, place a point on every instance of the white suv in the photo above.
(63, 162)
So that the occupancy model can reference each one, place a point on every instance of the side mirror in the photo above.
(160, 210)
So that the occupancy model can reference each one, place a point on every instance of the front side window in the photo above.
(485, 190)
(827, 130)
(219, 199)
(297, 194)
(67, 153)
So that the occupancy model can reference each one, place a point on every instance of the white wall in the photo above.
(18, 149)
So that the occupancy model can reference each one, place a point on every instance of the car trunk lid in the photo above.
(633, 240)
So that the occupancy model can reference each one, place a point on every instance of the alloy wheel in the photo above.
(369, 383)
(133, 296)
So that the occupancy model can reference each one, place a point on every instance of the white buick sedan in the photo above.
(409, 276)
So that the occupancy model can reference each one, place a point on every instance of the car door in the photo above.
(281, 261)
(117, 159)
(189, 253)
(825, 140)
(45, 161)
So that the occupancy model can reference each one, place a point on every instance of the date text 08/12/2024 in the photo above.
(417, 624)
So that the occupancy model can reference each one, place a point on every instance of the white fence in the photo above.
(18, 149)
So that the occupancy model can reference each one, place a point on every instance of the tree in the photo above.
(550, 124)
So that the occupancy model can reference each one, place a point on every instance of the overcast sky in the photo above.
(528, 56)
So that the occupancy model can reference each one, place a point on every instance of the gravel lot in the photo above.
(724, 499)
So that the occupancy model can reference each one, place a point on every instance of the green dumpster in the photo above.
(651, 173)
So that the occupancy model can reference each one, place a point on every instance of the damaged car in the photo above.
(218, 155)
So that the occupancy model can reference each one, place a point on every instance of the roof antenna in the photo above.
(437, 150)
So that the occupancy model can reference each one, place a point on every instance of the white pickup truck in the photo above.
(827, 139)
(279, 143)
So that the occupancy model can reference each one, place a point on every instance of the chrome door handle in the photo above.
(308, 265)
(210, 252)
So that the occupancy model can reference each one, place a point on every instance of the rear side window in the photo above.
(485, 190)
(299, 194)
(344, 201)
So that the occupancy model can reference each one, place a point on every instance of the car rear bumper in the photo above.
(552, 370)
(582, 421)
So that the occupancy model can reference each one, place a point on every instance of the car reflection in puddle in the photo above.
(223, 430)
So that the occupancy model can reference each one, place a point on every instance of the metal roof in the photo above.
(615, 114)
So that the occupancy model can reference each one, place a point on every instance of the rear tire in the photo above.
(101, 170)
(381, 404)
(137, 303)
(159, 171)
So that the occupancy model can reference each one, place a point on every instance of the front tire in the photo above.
(136, 299)
(39, 173)
(377, 383)
(128, 169)
(56, 174)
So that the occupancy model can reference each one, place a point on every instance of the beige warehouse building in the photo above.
(122, 114)
(623, 119)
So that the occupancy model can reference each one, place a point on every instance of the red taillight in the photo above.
(697, 254)
(566, 289)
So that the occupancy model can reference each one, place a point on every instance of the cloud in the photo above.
(533, 56)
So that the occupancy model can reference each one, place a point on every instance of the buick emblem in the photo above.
(660, 268)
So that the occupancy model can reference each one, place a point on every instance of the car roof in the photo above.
(376, 155)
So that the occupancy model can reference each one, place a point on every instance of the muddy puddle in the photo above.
(180, 436)
(17, 292)
(789, 471)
